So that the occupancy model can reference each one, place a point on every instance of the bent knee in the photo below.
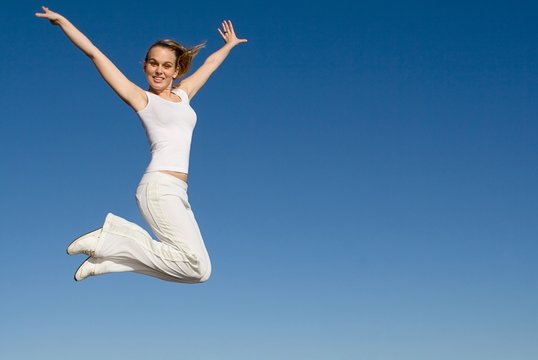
(196, 273)
(205, 276)
(204, 271)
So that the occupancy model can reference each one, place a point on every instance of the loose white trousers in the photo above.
(179, 255)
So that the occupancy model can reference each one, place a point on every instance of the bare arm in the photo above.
(194, 82)
(127, 91)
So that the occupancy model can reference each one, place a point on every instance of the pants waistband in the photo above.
(157, 175)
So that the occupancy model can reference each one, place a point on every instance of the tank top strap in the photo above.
(182, 94)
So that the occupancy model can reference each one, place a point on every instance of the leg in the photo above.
(98, 266)
(179, 256)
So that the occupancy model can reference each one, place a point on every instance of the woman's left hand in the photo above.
(228, 34)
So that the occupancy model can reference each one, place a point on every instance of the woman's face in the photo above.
(160, 68)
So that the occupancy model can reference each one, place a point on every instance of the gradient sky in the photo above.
(363, 172)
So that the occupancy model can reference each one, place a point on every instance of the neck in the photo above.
(164, 92)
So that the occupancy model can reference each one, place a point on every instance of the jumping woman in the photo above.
(179, 254)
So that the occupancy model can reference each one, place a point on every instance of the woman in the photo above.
(161, 195)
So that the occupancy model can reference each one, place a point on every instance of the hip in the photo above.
(165, 179)
(176, 174)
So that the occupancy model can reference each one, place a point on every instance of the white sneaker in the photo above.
(87, 268)
(85, 244)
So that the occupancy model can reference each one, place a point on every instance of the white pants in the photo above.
(179, 255)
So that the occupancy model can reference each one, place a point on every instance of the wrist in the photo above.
(61, 20)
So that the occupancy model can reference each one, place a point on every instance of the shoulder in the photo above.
(182, 92)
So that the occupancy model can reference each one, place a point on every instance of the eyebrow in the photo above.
(166, 62)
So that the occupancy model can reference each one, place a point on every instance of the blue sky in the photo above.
(364, 175)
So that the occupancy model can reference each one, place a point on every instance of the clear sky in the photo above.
(363, 172)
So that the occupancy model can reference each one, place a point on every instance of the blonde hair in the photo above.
(184, 55)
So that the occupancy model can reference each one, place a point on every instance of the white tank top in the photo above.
(169, 127)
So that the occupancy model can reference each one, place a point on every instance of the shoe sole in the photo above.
(76, 272)
(80, 237)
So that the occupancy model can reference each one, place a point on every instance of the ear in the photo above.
(176, 73)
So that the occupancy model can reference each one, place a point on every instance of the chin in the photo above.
(158, 86)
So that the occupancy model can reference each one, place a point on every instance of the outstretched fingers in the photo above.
(228, 33)
(225, 26)
(44, 13)
(222, 34)
(231, 26)
(48, 14)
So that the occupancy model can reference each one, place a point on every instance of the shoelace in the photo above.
(89, 252)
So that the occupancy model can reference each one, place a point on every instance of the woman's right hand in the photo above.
(53, 17)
